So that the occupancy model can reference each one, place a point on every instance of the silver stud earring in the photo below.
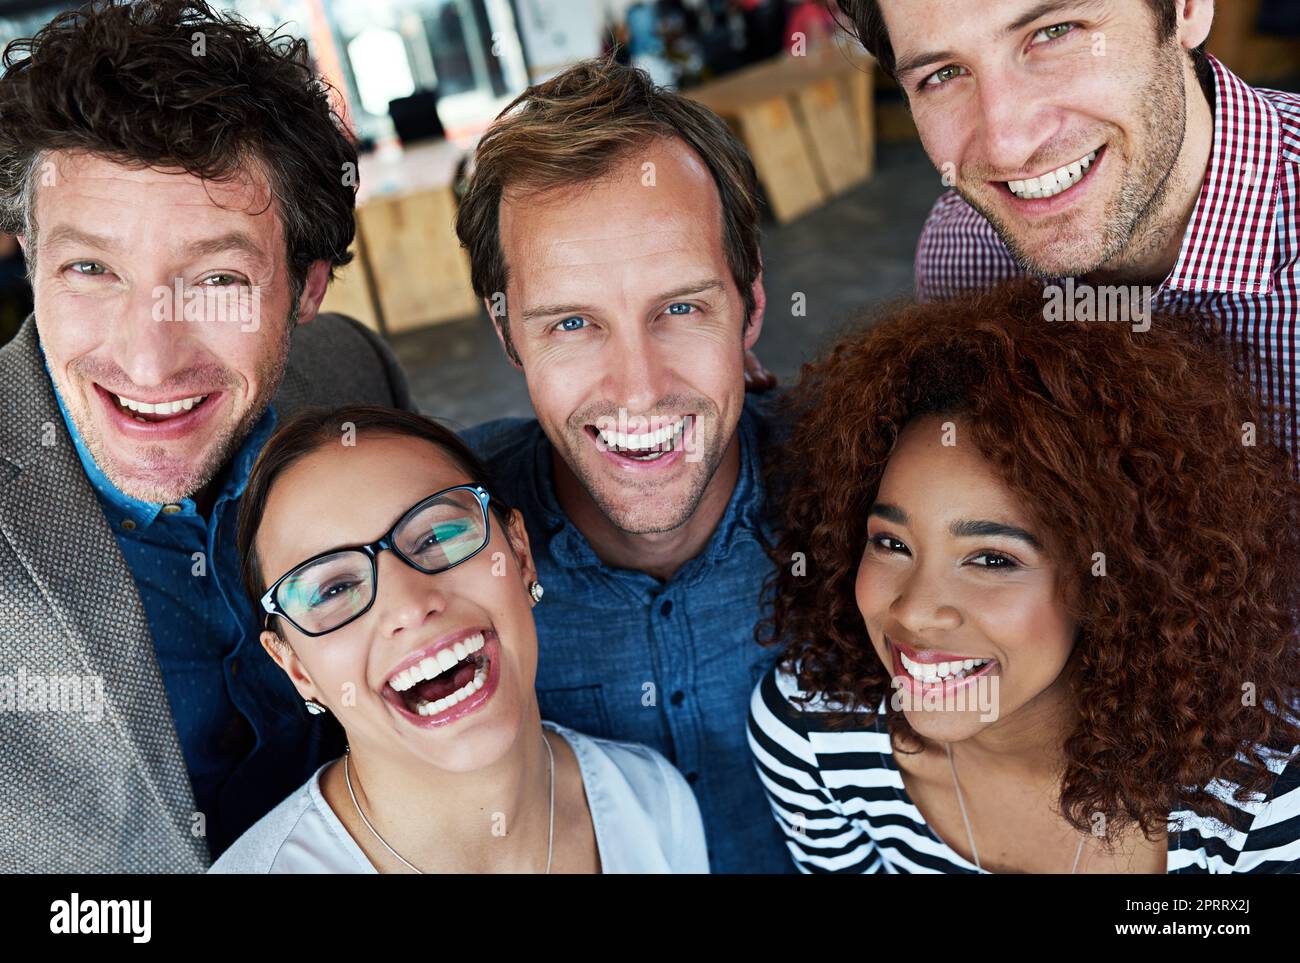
(535, 590)
(314, 707)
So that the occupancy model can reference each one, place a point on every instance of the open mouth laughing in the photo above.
(445, 680)
(158, 419)
(1055, 182)
(659, 447)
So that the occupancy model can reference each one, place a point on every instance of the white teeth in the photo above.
(930, 672)
(1053, 182)
(161, 408)
(652, 441)
(436, 664)
(464, 692)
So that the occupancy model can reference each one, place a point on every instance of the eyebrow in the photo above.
(550, 310)
(231, 241)
(906, 65)
(965, 528)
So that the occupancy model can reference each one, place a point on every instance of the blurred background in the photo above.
(846, 184)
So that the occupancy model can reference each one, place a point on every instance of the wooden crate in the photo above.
(421, 274)
(351, 291)
(808, 123)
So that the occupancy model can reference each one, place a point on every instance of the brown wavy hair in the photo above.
(1128, 443)
(576, 127)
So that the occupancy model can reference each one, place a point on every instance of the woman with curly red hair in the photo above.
(1038, 591)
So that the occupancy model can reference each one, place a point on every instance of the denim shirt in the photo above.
(245, 737)
(670, 664)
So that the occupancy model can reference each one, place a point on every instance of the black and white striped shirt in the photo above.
(838, 796)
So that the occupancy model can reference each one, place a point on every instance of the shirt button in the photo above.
(171, 509)
(128, 524)
(678, 696)
(667, 608)
(692, 777)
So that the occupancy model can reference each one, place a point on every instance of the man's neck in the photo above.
(1152, 252)
(659, 554)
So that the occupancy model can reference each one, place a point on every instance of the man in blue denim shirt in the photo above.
(613, 235)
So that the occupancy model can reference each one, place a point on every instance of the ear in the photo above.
(280, 651)
(313, 290)
(22, 243)
(1195, 18)
(760, 307)
(499, 331)
(517, 534)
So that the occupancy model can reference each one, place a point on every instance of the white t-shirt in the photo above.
(644, 813)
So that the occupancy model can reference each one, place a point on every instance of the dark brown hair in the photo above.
(1128, 443)
(867, 23)
(575, 128)
(174, 83)
(312, 429)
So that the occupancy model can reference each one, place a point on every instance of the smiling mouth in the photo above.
(444, 679)
(647, 447)
(1054, 182)
(931, 673)
(152, 412)
(939, 672)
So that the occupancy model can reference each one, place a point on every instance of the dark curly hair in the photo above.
(171, 83)
(1129, 443)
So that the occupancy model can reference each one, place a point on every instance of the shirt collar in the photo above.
(745, 509)
(1229, 244)
(140, 513)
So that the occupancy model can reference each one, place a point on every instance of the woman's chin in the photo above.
(476, 744)
(944, 726)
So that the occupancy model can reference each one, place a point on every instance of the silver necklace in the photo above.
(550, 833)
(970, 836)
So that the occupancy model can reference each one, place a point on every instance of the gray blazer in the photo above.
(111, 795)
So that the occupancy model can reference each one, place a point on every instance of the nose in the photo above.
(1013, 120)
(405, 597)
(148, 343)
(923, 603)
(637, 374)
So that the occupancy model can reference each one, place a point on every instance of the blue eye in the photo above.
(94, 268)
(571, 324)
(672, 308)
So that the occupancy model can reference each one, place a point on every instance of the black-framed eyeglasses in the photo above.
(336, 587)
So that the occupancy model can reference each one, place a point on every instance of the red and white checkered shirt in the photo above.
(1240, 259)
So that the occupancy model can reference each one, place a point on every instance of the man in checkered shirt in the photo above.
(1093, 139)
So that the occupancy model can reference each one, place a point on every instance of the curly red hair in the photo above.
(1128, 443)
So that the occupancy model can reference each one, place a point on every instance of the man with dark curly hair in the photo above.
(1046, 620)
(181, 187)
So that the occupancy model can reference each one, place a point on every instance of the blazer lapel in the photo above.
(51, 517)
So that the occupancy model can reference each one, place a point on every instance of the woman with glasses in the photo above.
(1045, 618)
(398, 594)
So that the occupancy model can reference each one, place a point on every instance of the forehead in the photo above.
(88, 187)
(349, 494)
(657, 208)
(929, 479)
(914, 25)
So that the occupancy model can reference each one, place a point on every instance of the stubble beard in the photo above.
(1129, 219)
(176, 481)
(651, 519)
